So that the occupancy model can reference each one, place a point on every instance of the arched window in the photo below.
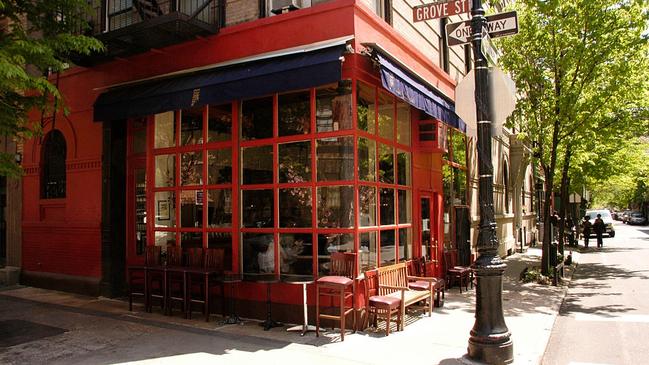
(53, 166)
(506, 186)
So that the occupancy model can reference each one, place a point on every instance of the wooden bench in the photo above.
(393, 281)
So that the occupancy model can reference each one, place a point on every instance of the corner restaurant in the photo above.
(279, 157)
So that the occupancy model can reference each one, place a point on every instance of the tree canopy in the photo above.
(37, 38)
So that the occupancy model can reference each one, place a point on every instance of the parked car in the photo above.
(637, 218)
(606, 217)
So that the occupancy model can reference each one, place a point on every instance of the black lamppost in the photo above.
(490, 340)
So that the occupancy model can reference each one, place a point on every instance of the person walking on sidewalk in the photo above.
(599, 228)
(586, 227)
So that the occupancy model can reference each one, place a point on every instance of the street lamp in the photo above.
(490, 340)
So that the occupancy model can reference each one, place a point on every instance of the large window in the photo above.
(454, 179)
(53, 174)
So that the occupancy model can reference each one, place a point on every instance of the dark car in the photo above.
(637, 218)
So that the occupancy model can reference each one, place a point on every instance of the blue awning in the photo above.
(246, 80)
(406, 86)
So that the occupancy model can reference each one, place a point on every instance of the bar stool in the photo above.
(339, 285)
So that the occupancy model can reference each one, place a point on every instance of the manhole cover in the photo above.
(15, 331)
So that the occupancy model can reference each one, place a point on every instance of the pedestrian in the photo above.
(554, 221)
(599, 227)
(570, 227)
(585, 229)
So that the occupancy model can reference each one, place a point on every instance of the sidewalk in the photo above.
(530, 311)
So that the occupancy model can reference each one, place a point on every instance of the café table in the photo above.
(303, 280)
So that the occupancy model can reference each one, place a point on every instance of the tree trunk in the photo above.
(565, 182)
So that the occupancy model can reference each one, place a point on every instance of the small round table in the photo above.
(269, 280)
(304, 281)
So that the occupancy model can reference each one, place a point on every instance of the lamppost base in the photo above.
(491, 353)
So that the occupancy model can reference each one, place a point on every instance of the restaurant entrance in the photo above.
(428, 232)
(136, 237)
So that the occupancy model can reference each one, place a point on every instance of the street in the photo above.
(605, 316)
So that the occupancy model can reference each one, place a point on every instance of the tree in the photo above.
(581, 68)
(37, 38)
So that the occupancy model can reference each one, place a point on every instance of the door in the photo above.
(463, 234)
(428, 226)
(136, 239)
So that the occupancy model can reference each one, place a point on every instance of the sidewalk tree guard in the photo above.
(489, 340)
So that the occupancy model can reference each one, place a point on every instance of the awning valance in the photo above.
(405, 85)
(222, 84)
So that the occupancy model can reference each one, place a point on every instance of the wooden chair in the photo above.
(175, 285)
(137, 276)
(380, 305)
(194, 277)
(340, 284)
(155, 277)
(419, 279)
(212, 275)
(461, 274)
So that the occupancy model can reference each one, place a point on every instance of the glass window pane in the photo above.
(336, 206)
(447, 185)
(386, 116)
(138, 143)
(258, 208)
(459, 183)
(294, 113)
(296, 254)
(222, 240)
(165, 130)
(367, 251)
(219, 166)
(219, 127)
(295, 207)
(387, 206)
(403, 168)
(165, 239)
(334, 107)
(386, 164)
(405, 206)
(191, 126)
(258, 254)
(165, 171)
(403, 123)
(366, 159)
(387, 247)
(165, 209)
(191, 208)
(294, 162)
(405, 244)
(458, 141)
(191, 239)
(367, 206)
(332, 242)
(335, 158)
(257, 165)
(365, 107)
(257, 118)
(219, 208)
(191, 168)
(444, 141)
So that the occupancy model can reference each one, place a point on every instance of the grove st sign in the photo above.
(440, 9)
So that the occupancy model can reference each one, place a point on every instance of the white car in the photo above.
(606, 217)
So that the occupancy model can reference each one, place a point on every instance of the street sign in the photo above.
(498, 25)
(488, 49)
(441, 9)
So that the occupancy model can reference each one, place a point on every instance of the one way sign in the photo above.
(498, 25)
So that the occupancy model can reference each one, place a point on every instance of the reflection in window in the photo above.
(258, 208)
(191, 208)
(258, 165)
(257, 118)
(53, 171)
(296, 254)
(458, 146)
(294, 162)
(405, 244)
(191, 168)
(365, 107)
(367, 251)
(165, 166)
(336, 207)
(165, 239)
(403, 168)
(165, 130)
(386, 164)
(258, 254)
(219, 166)
(335, 158)
(219, 208)
(405, 208)
(334, 107)
(387, 247)
(387, 206)
(191, 126)
(459, 182)
(165, 209)
(367, 206)
(403, 123)
(295, 207)
(191, 239)
(366, 159)
(332, 242)
(222, 240)
(219, 126)
(294, 113)
(386, 116)
(447, 184)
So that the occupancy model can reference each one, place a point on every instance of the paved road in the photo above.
(605, 316)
